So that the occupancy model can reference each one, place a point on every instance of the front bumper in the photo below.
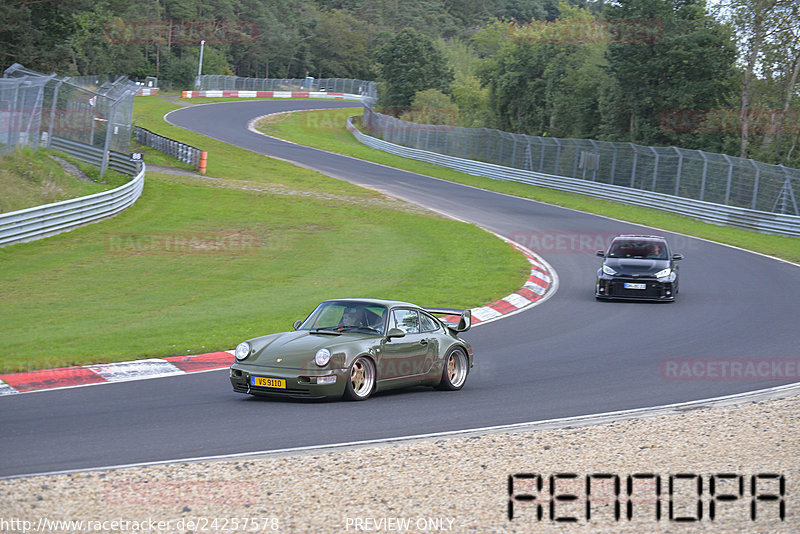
(300, 383)
(622, 287)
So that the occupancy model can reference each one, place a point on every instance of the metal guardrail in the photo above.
(51, 219)
(365, 90)
(750, 219)
(180, 151)
(81, 151)
(118, 161)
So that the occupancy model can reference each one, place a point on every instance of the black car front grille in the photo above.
(653, 289)
(294, 392)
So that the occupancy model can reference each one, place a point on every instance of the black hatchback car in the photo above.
(638, 267)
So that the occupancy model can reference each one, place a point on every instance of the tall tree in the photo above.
(769, 32)
(339, 46)
(408, 63)
(687, 64)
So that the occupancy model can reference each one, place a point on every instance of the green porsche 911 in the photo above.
(354, 347)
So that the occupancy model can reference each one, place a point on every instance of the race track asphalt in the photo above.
(572, 355)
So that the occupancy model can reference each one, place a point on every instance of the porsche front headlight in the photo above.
(242, 350)
(323, 357)
(608, 270)
(663, 273)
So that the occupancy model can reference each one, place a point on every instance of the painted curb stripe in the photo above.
(268, 94)
(118, 372)
(5, 389)
(53, 378)
(202, 362)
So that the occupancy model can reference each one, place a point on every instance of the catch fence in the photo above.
(36, 108)
(690, 174)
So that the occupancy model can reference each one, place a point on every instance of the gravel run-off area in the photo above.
(458, 484)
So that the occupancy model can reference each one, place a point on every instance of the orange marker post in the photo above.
(203, 158)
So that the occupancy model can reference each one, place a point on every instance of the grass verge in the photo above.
(31, 178)
(326, 130)
(199, 264)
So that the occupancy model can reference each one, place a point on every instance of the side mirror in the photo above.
(395, 332)
(296, 324)
(601, 253)
(677, 256)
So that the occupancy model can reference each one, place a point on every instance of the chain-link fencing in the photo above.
(692, 174)
(214, 82)
(37, 108)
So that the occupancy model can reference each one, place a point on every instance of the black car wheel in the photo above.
(456, 369)
(361, 379)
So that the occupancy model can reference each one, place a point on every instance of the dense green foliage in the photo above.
(655, 72)
(409, 63)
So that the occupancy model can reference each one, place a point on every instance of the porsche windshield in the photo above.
(346, 316)
(649, 249)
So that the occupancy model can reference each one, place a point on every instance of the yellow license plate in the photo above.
(267, 382)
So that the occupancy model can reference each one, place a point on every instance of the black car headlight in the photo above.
(242, 350)
(663, 273)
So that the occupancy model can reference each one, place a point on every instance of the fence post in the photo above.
(613, 162)
(558, 155)
(500, 151)
(655, 167)
(596, 164)
(53, 111)
(680, 170)
(787, 192)
(109, 126)
(705, 174)
(755, 183)
(730, 179)
(575, 159)
(528, 163)
(16, 118)
(514, 152)
(541, 155)
(635, 161)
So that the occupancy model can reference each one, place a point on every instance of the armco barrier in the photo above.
(271, 94)
(176, 149)
(50, 219)
(707, 211)
(116, 160)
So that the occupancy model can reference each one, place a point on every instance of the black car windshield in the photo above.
(641, 249)
(347, 316)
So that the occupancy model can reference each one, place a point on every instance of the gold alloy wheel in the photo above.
(362, 377)
(457, 368)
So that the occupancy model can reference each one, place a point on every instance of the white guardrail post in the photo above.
(762, 221)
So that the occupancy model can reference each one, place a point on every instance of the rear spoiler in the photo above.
(455, 320)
